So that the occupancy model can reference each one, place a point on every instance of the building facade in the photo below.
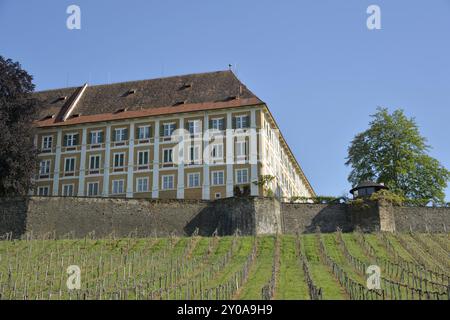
(200, 136)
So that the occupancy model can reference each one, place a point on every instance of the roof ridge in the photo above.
(141, 80)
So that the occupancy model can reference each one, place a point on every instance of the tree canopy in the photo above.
(17, 110)
(393, 151)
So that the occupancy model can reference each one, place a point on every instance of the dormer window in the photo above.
(49, 116)
(121, 110)
(179, 103)
(186, 85)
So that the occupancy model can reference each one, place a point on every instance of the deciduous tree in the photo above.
(392, 151)
(17, 111)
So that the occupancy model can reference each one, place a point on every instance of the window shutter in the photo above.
(76, 139)
(126, 134)
(101, 137)
(161, 130)
(234, 123)
(247, 122)
(65, 140)
(150, 131)
(137, 133)
(210, 124)
(222, 124)
(113, 138)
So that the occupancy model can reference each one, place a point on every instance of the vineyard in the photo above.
(312, 266)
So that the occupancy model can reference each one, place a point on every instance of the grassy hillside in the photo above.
(313, 266)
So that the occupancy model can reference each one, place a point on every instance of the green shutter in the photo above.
(101, 137)
(161, 130)
(247, 122)
(126, 134)
(234, 123)
(65, 140)
(76, 139)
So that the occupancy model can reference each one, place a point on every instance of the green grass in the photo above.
(320, 273)
(261, 272)
(291, 280)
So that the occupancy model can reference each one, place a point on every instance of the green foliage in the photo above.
(318, 199)
(264, 181)
(393, 151)
(359, 203)
(388, 196)
(18, 157)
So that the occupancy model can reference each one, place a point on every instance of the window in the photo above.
(67, 190)
(167, 182)
(194, 126)
(241, 176)
(93, 188)
(44, 191)
(47, 143)
(168, 129)
(142, 184)
(241, 149)
(143, 132)
(217, 124)
(193, 180)
(70, 139)
(94, 163)
(143, 158)
(218, 178)
(194, 154)
(167, 155)
(118, 186)
(69, 166)
(44, 167)
(217, 151)
(120, 134)
(119, 160)
(241, 122)
(96, 137)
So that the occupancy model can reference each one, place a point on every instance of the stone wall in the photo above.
(305, 218)
(142, 217)
(422, 219)
(249, 215)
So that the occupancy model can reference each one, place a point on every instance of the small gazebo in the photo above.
(366, 188)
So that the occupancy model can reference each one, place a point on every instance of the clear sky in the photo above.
(316, 64)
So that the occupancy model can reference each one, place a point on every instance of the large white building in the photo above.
(199, 136)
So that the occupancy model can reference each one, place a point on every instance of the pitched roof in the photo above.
(185, 93)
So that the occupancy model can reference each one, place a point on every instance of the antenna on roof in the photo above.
(229, 66)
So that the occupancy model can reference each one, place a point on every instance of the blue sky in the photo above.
(315, 63)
